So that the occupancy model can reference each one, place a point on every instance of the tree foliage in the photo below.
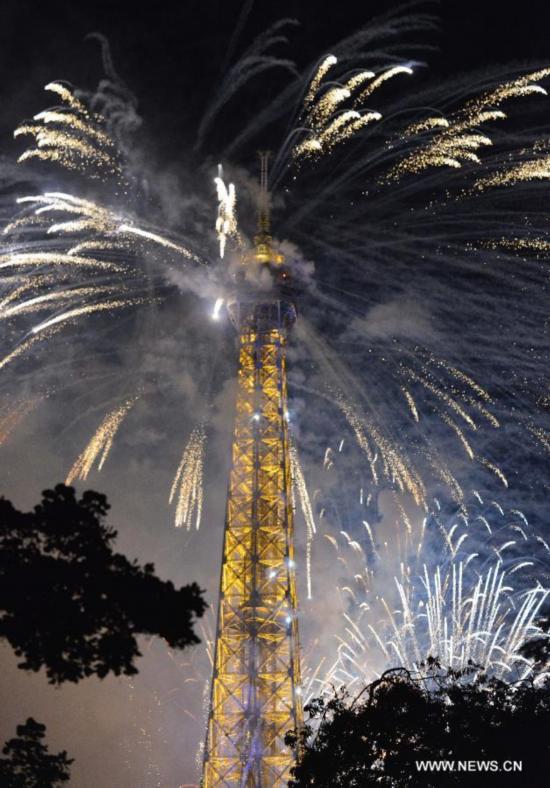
(400, 719)
(28, 763)
(71, 604)
(538, 649)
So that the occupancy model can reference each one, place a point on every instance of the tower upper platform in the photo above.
(262, 295)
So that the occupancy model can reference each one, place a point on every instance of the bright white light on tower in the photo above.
(291, 563)
(217, 307)
(288, 619)
(272, 574)
(256, 417)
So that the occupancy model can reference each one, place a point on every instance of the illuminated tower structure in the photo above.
(255, 696)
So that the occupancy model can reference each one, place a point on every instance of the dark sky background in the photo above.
(170, 56)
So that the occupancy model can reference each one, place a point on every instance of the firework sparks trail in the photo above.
(299, 484)
(326, 124)
(328, 62)
(394, 463)
(188, 481)
(40, 302)
(411, 403)
(541, 435)
(89, 309)
(78, 142)
(217, 308)
(158, 239)
(14, 416)
(22, 348)
(495, 469)
(112, 231)
(389, 458)
(33, 259)
(101, 442)
(456, 611)
(456, 141)
(226, 221)
(91, 216)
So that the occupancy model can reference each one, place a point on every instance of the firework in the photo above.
(111, 230)
(40, 302)
(455, 141)
(187, 486)
(14, 416)
(458, 611)
(226, 222)
(326, 123)
(30, 259)
(101, 443)
(299, 484)
(78, 142)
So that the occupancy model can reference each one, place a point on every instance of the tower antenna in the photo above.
(263, 251)
(264, 212)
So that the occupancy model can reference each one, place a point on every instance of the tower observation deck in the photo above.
(255, 694)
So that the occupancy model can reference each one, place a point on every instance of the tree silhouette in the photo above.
(400, 719)
(29, 765)
(538, 649)
(69, 603)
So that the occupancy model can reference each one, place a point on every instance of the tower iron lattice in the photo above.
(255, 694)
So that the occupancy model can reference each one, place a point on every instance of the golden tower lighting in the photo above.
(255, 695)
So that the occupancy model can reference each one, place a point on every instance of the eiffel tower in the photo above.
(255, 695)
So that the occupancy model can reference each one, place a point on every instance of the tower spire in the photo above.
(263, 251)
(264, 213)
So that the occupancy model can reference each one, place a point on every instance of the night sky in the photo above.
(145, 733)
(171, 59)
